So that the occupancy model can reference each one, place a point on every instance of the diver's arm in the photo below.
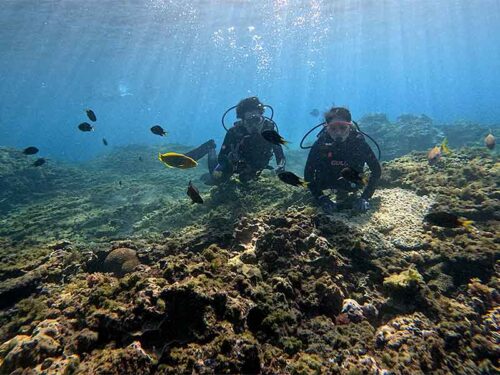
(312, 165)
(229, 140)
(375, 170)
(280, 156)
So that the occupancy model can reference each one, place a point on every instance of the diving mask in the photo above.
(338, 130)
(253, 120)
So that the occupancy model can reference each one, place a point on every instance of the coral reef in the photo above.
(256, 280)
(21, 182)
(419, 133)
(406, 134)
(465, 133)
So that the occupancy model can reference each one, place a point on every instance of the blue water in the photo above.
(181, 64)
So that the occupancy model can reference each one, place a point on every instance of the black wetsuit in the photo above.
(242, 152)
(249, 153)
(327, 158)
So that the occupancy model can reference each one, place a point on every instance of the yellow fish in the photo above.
(435, 154)
(175, 160)
(444, 147)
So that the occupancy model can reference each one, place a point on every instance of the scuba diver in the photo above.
(244, 151)
(336, 161)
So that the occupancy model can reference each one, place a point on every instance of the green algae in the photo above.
(408, 279)
(306, 364)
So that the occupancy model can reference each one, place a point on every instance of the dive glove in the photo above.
(327, 205)
(361, 205)
(279, 169)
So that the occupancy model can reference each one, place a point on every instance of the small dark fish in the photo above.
(314, 112)
(353, 176)
(39, 162)
(490, 141)
(120, 183)
(30, 150)
(292, 179)
(158, 130)
(91, 115)
(273, 137)
(194, 194)
(446, 220)
(140, 158)
(85, 127)
(104, 142)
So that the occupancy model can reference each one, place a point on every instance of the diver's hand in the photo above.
(217, 172)
(361, 205)
(279, 169)
(327, 205)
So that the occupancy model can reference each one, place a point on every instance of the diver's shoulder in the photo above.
(237, 127)
(322, 141)
(358, 137)
(268, 125)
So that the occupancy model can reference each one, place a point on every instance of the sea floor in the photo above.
(104, 271)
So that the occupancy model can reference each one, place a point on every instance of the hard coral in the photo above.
(121, 261)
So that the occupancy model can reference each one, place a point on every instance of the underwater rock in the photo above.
(120, 261)
(132, 360)
(11, 355)
(249, 257)
(86, 340)
(484, 297)
(354, 312)
(60, 245)
(329, 296)
(409, 133)
(25, 351)
(403, 329)
(60, 365)
(464, 183)
(247, 231)
(189, 312)
(53, 268)
(413, 341)
(363, 364)
(14, 290)
(251, 272)
(487, 344)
